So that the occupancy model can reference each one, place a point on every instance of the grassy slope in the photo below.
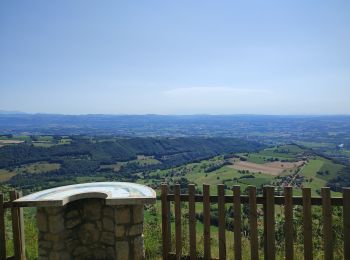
(142, 162)
(196, 175)
(226, 174)
(38, 167)
(152, 240)
(5, 175)
(331, 167)
(286, 153)
(309, 171)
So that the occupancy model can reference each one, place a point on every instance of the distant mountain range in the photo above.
(6, 112)
(324, 133)
(276, 128)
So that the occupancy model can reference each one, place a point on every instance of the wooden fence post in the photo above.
(2, 229)
(17, 228)
(165, 221)
(307, 222)
(21, 225)
(192, 220)
(268, 200)
(346, 221)
(169, 227)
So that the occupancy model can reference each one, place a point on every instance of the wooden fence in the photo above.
(17, 227)
(268, 200)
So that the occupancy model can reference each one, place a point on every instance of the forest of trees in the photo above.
(83, 157)
(176, 149)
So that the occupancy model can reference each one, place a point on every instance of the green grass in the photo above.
(18, 137)
(90, 179)
(227, 175)
(147, 161)
(35, 168)
(214, 236)
(257, 181)
(285, 153)
(45, 138)
(331, 167)
(257, 158)
(64, 141)
(5, 175)
(39, 167)
(316, 145)
(43, 144)
(345, 151)
(142, 162)
(309, 172)
(195, 173)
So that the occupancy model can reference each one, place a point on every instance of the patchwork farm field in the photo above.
(141, 160)
(280, 166)
(33, 168)
(3, 142)
(272, 168)
(90, 160)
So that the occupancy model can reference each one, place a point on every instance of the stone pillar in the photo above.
(89, 229)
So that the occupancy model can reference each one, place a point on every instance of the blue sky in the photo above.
(175, 57)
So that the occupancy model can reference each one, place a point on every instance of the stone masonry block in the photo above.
(108, 212)
(122, 215)
(92, 210)
(135, 230)
(56, 224)
(119, 231)
(108, 224)
(122, 250)
(137, 214)
(41, 219)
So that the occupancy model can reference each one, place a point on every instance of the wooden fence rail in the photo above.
(17, 227)
(268, 200)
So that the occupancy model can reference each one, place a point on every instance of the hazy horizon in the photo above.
(16, 112)
(175, 58)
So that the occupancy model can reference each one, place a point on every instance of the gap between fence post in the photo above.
(165, 220)
(327, 223)
(346, 221)
(288, 225)
(178, 232)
